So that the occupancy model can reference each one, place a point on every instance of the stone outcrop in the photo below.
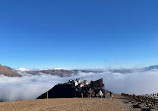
(76, 88)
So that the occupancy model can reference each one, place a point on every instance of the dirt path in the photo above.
(66, 104)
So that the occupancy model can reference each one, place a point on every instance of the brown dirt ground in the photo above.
(67, 104)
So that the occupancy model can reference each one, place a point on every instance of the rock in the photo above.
(71, 90)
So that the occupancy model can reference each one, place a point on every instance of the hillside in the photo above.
(7, 71)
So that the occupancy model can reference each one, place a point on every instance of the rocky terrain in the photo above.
(7, 71)
(136, 104)
(76, 88)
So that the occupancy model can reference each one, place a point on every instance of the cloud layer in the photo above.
(31, 86)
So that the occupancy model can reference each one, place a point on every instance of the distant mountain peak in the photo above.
(22, 69)
(60, 69)
(151, 67)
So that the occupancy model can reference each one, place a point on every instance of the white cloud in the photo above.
(31, 86)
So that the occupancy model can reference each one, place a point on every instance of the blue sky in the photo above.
(78, 33)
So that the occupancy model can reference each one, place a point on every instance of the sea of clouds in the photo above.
(30, 87)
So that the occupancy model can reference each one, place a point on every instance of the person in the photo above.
(100, 94)
(111, 95)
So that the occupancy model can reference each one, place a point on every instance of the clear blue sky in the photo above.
(78, 33)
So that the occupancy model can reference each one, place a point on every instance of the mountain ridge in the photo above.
(7, 71)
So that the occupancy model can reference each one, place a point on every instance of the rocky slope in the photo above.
(7, 71)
